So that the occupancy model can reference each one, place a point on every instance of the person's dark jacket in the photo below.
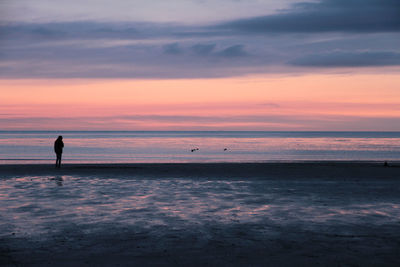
(58, 146)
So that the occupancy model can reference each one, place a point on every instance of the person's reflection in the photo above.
(58, 179)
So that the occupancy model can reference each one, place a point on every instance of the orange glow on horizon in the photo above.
(316, 97)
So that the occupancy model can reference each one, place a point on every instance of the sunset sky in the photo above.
(200, 65)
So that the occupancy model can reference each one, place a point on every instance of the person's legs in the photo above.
(58, 161)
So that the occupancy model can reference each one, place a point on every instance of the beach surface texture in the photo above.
(208, 214)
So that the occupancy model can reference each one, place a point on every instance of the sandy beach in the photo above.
(226, 214)
(324, 169)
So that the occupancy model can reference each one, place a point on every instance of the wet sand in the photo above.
(339, 170)
(257, 214)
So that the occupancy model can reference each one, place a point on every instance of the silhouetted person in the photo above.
(58, 148)
(386, 164)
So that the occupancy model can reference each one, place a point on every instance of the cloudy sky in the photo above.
(200, 65)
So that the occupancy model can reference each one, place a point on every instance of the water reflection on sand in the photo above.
(35, 205)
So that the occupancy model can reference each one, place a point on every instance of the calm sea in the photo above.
(213, 146)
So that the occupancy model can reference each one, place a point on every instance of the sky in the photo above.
(317, 65)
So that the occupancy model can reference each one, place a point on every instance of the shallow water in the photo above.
(123, 147)
(37, 206)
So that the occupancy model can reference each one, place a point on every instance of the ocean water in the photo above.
(20, 147)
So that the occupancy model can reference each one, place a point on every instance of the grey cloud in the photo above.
(233, 51)
(89, 30)
(172, 49)
(129, 61)
(203, 49)
(347, 42)
(310, 122)
(177, 61)
(325, 16)
(89, 49)
(348, 59)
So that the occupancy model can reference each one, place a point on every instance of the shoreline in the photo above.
(315, 169)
